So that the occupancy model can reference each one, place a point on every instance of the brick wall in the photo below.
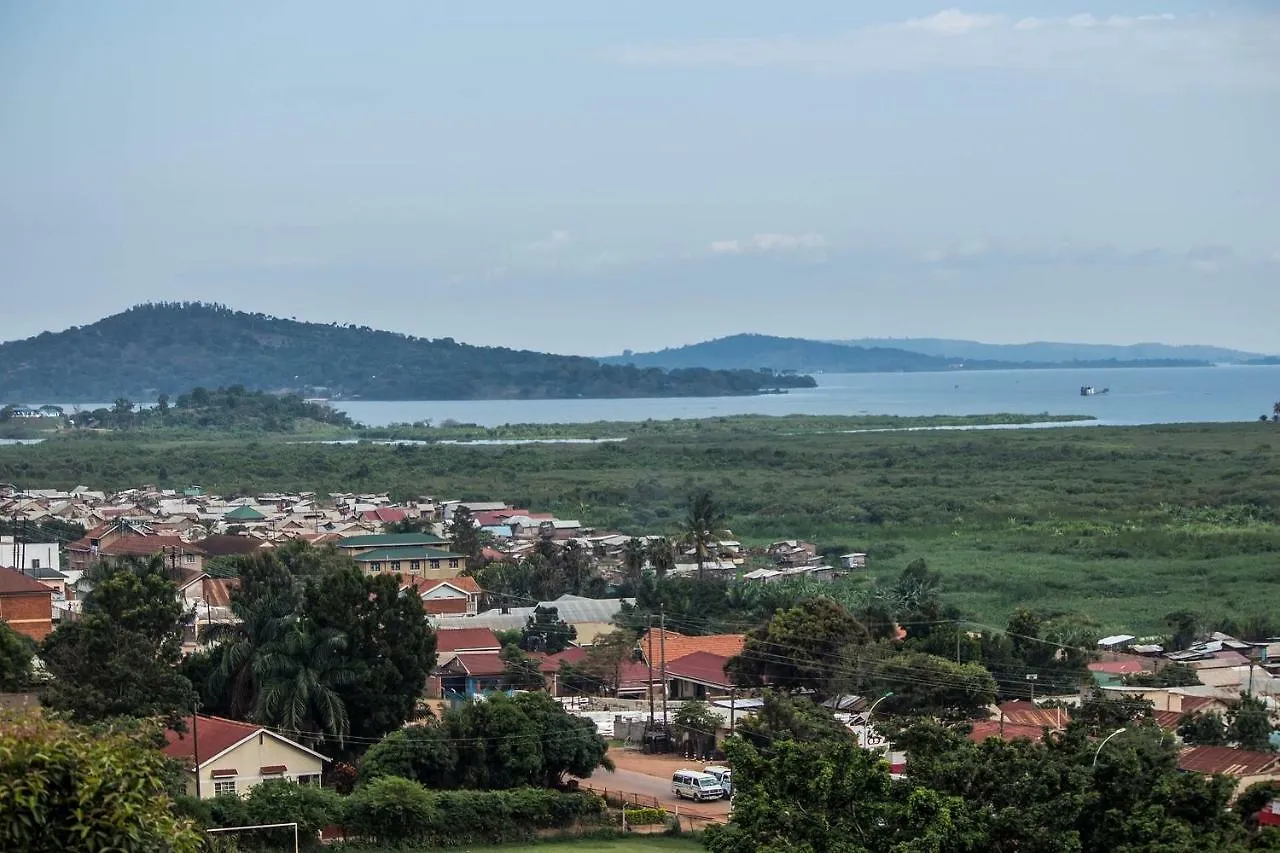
(28, 613)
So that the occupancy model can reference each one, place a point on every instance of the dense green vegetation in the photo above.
(168, 348)
(802, 355)
(1126, 524)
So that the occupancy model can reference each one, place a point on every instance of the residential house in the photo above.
(697, 676)
(129, 540)
(793, 552)
(412, 560)
(458, 596)
(656, 642)
(221, 756)
(1245, 767)
(25, 604)
(575, 610)
(354, 546)
(451, 641)
(466, 675)
(221, 545)
(856, 560)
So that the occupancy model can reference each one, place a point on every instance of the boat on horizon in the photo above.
(1090, 391)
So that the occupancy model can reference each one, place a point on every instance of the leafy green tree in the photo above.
(703, 527)
(463, 535)
(697, 724)
(519, 670)
(545, 631)
(662, 556)
(570, 744)
(389, 648)
(1185, 626)
(423, 753)
(600, 672)
(799, 648)
(783, 717)
(1249, 725)
(931, 685)
(391, 811)
(1203, 729)
(16, 651)
(635, 554)
(119, 658)
(64, 788)
(283, 801)
(1169, 675)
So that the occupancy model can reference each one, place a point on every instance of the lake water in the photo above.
(1137, 396)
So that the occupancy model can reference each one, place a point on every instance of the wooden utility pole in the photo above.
(662, 644)
(195, 743)
(649, 658)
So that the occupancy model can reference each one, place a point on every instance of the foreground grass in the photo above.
(1123, 523)
(633, 844)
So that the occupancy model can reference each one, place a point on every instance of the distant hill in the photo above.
(1048, 351)
(170, 348)
(761, 352)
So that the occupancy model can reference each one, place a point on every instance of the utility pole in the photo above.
(195, 742)
(649, 658)
(733, 707)
(662, 643)
(1031, 680)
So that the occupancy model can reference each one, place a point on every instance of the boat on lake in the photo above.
(1090, 391)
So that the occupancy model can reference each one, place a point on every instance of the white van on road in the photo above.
(696, 785)
(724, 776)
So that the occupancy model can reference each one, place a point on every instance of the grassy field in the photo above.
(1125, 524)
(634, 844)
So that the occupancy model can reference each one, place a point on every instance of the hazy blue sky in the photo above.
(588, 176)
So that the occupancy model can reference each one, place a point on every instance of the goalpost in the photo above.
(260, 826)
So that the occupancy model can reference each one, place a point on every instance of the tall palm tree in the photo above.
(662, 556)
(703, 527)
(237, 647)
(298, 679)
(634, 556)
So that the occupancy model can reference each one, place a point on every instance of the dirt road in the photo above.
(650, 776)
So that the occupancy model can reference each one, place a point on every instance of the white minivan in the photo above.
(695, 785)
(724, 776)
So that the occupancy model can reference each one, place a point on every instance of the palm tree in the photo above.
(634, 556)
(298, 679)
(239, 645)
(662, 556)
(1275, 411)
(703, 527)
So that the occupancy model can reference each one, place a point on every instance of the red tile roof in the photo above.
(425, 585)
(1194, 704)
(1168, 720)
(445, 606)
(680, 645)
(14, 582)
(459, 639)
(704, 667)
(1116, 667)
(217, 591)
(384, 514)
(217, 734)
(1228, 761)
(634, 675)
(225, 545)
(983, 729)
(551, 663)
(481, 663)
(138, 546)
(1024, 713)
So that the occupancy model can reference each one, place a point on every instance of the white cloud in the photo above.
(1160, 50)
(768, 243)
(553, 242)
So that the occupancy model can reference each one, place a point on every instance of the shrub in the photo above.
(646, 817)
(391, 810)
(283, 801)
(63, 789)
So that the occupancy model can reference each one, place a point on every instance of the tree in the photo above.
(464, 536)
(697, 725)
(519, 671)
(927, 684)
(634, 556)
(1186, 629)
(703, 527)
(783, 717)
(1205, 729)
(571, 745)
(119, 658)
(662, 556)
(65, 788)
(423, 753)
(389, 648)
(546, 632)
(16, 651)
(799, 648)
(1170, 675)
(299, 677)
(600, 672)
(1250, 725)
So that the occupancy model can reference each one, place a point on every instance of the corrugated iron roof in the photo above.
(1227, 761)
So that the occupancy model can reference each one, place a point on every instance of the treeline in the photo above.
(166, 348)
(233, 409)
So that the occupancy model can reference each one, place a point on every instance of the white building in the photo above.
(29, 555)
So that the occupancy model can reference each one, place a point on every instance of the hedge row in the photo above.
(391, 811)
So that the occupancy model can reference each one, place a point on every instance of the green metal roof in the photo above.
(244, 513)
(389, 540)
(383, 555)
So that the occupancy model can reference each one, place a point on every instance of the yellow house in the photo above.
(223, 756)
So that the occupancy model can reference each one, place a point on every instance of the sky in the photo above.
(587, 177)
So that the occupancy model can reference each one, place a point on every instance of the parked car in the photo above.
(724, 776)
(696, 785)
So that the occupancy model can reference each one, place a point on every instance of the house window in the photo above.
(35, 563)
(395, 565)
(375, 566)
(415, 565)
(435, 564)
(309, 779)
(453, 564)
(188, 558)
(224, 786)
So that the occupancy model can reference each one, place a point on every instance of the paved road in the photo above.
(652, 786)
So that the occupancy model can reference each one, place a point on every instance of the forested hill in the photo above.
(801, 355)
(168, 348)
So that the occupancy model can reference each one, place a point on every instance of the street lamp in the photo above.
(872, 709)
(1104, 743)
